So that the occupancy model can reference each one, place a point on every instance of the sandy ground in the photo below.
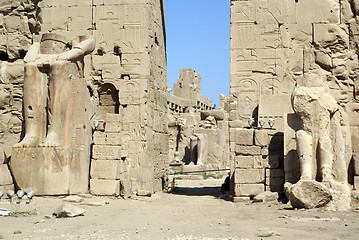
(194, 211)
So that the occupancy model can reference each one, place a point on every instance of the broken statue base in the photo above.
(50, 170)
(331, 196)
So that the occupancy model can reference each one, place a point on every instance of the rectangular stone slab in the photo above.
(50, 170)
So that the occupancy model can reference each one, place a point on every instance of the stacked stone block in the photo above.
(130, 57)
(108, 165)
(18, 21)
(273, 43)
(255, 170)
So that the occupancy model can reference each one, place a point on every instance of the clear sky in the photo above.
(198, 37)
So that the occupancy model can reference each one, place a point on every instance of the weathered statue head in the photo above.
(52, 43)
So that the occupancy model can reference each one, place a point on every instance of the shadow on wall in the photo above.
(108, 102)
(187, 156)
(275, 173)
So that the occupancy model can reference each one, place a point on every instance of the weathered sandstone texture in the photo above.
(53, 156)
(123, 88)
(274, 46)
(198, 133)
(18, 21)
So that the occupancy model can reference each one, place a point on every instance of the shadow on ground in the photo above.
(198, 191)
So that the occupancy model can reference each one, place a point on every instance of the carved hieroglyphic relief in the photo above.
(247, 97)
(291, 39)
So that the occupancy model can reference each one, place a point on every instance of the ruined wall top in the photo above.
(188, 88)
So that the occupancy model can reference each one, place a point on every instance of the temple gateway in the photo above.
(86, 108)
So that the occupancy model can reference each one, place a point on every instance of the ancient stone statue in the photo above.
(54, 155)
(321, 143)
(45, 61)
(315, 106)
(199, 149)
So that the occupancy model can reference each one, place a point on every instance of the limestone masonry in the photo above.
(85, 105)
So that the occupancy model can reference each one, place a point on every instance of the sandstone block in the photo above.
(248, 150)
(5, 176)
(327, 35)
(68, 210)
(106, 152)
(318, 11)
(323, 59)
(233, 123)
(244, 162)
(113, 122)
(356, 163)
(191, 119)
(266, 197)
(51, 170)
(355, 138)
(356, 182)
(104, 169)
(244, 136)
(112, 117)
(99, 138)
(218, 114)
(105, 187)
(113, 138)
(261, 137)
(248, 189)
(309, 194)
(241, 199)
(249, 176)
(113, 127)
(249, 162)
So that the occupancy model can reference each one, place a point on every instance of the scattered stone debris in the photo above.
(68, 210)
(266, 197)
(316, 219)
(73, 198)
(96, 204)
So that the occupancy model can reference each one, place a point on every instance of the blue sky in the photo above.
(198, 37)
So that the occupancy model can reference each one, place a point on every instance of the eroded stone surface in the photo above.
(277, 45)
(125, 77)
(309, 194)
(68, 210)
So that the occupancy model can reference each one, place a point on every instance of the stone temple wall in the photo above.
(18, 21)
(126, 81)
(191, 117)
(273, 43)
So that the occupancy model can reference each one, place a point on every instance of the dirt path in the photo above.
(193, 212)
